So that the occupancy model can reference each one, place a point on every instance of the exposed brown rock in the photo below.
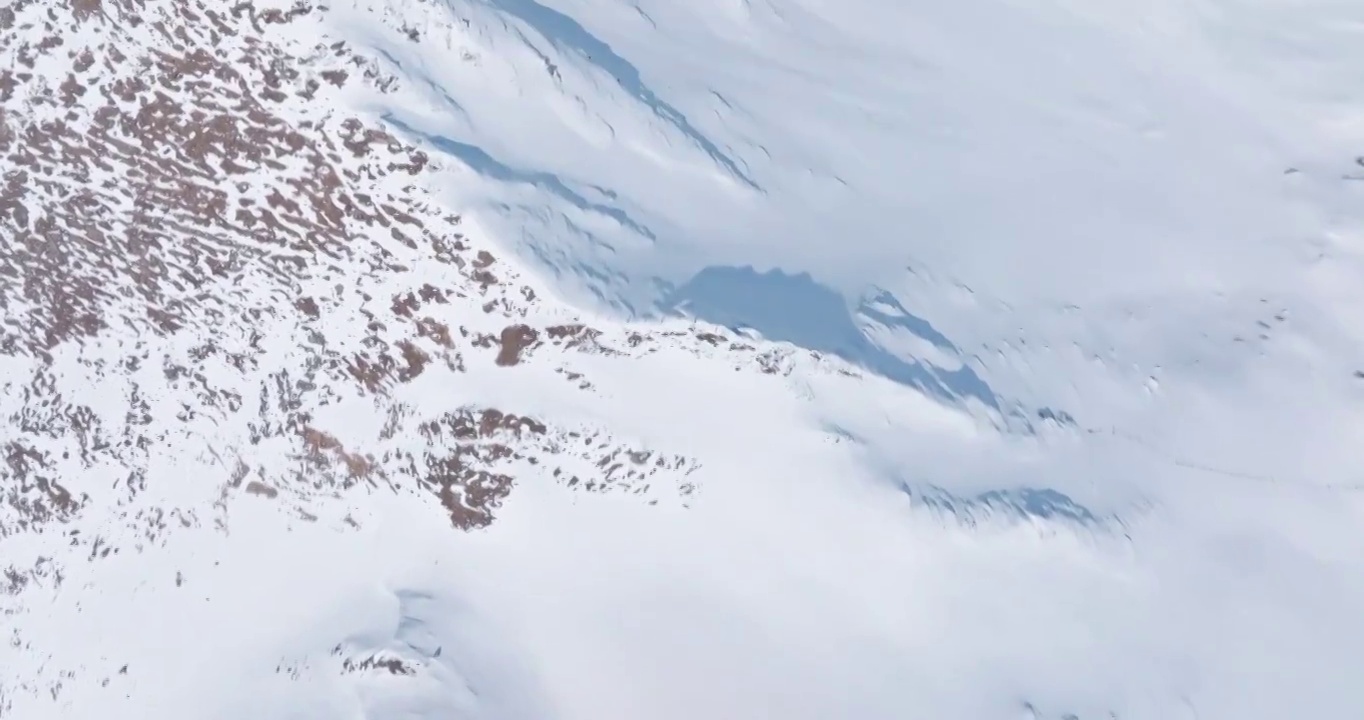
(259, 488)
(83, 10)
(515, 340)
(437, 332)
(393, 665)
(159, 189)
(710, 338)
(335, 77)
(322, 446)
(415, 358)
(308, 306)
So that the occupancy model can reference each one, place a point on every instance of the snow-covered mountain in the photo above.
(620, 359)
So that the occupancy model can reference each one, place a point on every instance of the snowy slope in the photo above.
(592, 359)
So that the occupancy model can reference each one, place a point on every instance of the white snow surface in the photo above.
(1145, 503)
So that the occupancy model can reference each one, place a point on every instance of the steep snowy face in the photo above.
(973, 138)
(946, 193)
(512, 359)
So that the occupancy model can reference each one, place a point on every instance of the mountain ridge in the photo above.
(357, 361)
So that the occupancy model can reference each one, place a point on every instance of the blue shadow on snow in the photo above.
(1039, 503)
(799, 310)
(486, 165)
(567, 33)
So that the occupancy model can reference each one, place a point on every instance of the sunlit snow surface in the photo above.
(1103, 258)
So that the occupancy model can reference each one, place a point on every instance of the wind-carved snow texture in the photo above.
(513, 359)
(569, 37)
